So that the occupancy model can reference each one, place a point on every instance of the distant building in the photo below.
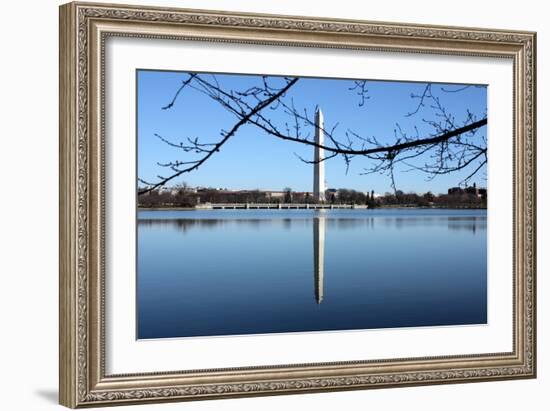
(480, 192)
(483, 192)
(275, 194)
(455, 190)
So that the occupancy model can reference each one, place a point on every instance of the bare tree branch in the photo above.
(450, 147)
(216, 147)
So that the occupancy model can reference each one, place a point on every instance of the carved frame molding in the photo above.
(84, 27)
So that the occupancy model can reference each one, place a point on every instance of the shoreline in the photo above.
(340, 209)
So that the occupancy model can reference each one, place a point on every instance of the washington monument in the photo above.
(319, 166)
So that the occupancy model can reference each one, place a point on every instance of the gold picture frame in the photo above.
(83, 30)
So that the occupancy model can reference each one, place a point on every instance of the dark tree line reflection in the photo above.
(320, 223)
(465, 223)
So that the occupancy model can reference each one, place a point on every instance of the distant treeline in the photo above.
(453, 200)
(185, 197)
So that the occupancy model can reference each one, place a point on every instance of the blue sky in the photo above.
(253, 159)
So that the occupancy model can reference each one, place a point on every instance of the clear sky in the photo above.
(253, 159)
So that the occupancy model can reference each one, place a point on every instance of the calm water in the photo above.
(223, 272)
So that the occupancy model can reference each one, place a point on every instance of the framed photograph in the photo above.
(259, 204)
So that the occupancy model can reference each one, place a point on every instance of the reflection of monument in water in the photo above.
(319, 256)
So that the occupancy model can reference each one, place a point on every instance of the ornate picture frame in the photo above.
(84, 29)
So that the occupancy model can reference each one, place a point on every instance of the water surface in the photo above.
(227, 272)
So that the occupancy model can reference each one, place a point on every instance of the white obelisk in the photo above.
(319, 166)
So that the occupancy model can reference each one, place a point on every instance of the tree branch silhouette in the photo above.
(450, 147)
(215, 147)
